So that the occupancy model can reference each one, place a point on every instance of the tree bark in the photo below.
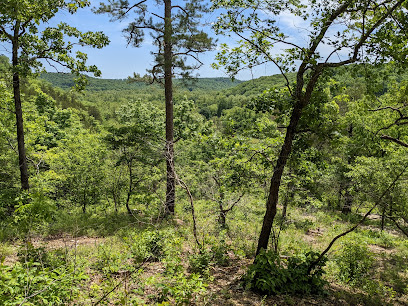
(273, 197)
(348, 198)
(348, 202)
(222, 218)
(22, 160)
(130, 187)
(168, 92)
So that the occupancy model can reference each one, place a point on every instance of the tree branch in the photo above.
(405, 232)
(401, 143)
(314, 263)
(233, 204)
(131, 7)
(270, 58)
(185, 187)
(3, 31)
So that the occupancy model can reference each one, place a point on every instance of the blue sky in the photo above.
(117, 61)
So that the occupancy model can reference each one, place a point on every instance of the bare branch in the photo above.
(190, 55)
(185, 187)
(404, 231)
(396, 109)
(401, 143)
(132, 7)
(276, 39)
(182, 9)
(270, 58)
(233, 204)
(3, 31)
(314, 263)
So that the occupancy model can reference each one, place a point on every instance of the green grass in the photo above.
(157, 260)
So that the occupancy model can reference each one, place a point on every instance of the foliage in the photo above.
(109, 261)
(49, 44)
(214, 252)
(33, 210)
(271, 275)
(181, 290)
(65, 81)
(355, 262)
(147, 246)
(31, 284)
(200, 263)
(186, 40)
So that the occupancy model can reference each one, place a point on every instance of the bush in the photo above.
(30, 284)
(216, 253)
(181, 289)
(271, 275)
(200, 263)
(148, 246)
(109, 261)
(32, 211)
(28, 253)
(354, 262)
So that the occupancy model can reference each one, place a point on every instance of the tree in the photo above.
(135, 143)
(353, 32)
(19, 26)
(177, 38)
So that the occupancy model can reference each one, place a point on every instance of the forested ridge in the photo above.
(286, 189)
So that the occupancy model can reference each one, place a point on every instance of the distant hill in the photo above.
(259, 85)
(66, 81)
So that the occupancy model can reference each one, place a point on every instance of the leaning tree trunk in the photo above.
(168, 92)
(22, 160)
(273, 197)
(301, 99)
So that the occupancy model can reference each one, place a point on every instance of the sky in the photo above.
(118, 61)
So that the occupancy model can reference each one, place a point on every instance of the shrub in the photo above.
(29, 253)
(30, 284)
(200, 263)
(108, 261)
(33, 211)
(271, 275)
(219, 252)
(354, 262)
(181, 289)
(147, 246)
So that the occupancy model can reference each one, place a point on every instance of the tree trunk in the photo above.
(127, 203)
(222, 218)
(130, 190)
(383, 218)
(168, 92)
(348, 202)
(348, 198)
(115, 201)
(289, 196)
(84, 202)
(273, 197)
(22, 160)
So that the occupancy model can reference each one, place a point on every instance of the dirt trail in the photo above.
(53, 243)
